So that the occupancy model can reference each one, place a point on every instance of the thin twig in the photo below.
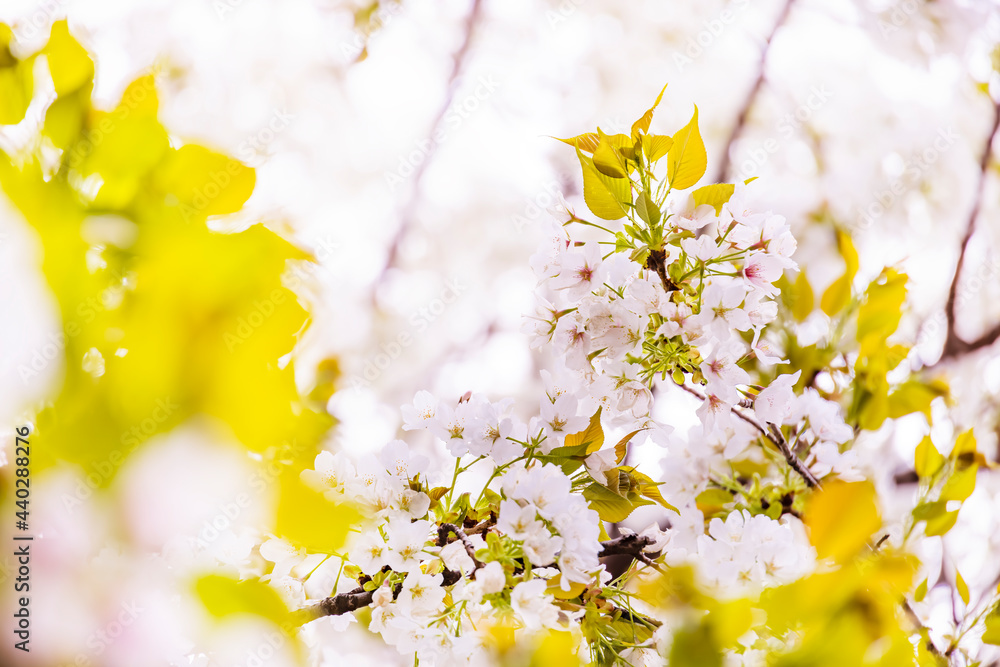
(407, 216)
(772, 433)
(447, 528)
(954, 346)
(722, 172)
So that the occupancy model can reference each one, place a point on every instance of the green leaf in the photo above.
(716, 195)
(608, 505)
(224, 596)
(647, 209)
(927, 460)
(841, 517)
(687, 159)
(604, 195)
(963, 588)
(642, 125)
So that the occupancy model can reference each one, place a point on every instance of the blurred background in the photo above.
(408, 145)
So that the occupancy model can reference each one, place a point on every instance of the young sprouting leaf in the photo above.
(927, 460)
(962, 587)
(915, 396)
(69, 64)
(647, 209)
(941, 524)
(992, 633)
(604, 195)
(622, 447)
(587, 142)
(965, 448)
(16, 81)
(961, 484)
(656, 146)
(642, 125)
(716, 195)
(841, 517)
(687, 159)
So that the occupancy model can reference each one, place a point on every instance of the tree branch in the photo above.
(772, 433)
(954, 346)
(458, 64)
(345, 603)
(722, 172)
(447, 528)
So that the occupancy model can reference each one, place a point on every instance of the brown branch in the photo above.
(772, 433)
(954, 346)
(447, 528)
(344, 603)
(458, 64)
(722, 172)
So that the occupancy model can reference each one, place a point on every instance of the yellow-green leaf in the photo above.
(591, 438)
(716, 195)
(963, 588)
(992, 633)
(587, 142)
(622, 447)
(836, 296)
(841, 517)
(70, 66)
(687, 159)
(804, 299)
(941, 524)
(921, 591)
(927, 460)
(656, 145)
(203, 182)
(608, 505)
(307, 519)
(224, 596)
(881, 311)
(608, 161)
(961, 484)
(647, 209)
(915, 396)
(642, 125)
(604, 195)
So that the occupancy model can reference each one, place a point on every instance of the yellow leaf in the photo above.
(307, 519)
(587, 142)
(841, 517)
(607, 161)
(804, 298)
(556, 648)
(836, 296)
(716, 195)
(960, 485)
(881, 311)
(203, 182)
(656, 146)
(554, 589)
(921, 591)
(992, 633)
(224, 596)
(70, 66)
(642, 125)
(965, 444)
(963, 588)
(621, 447)
(915, 396)
(604, 195)
(927, 460)
(687, 160)
(941, 524)
(591, 437)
